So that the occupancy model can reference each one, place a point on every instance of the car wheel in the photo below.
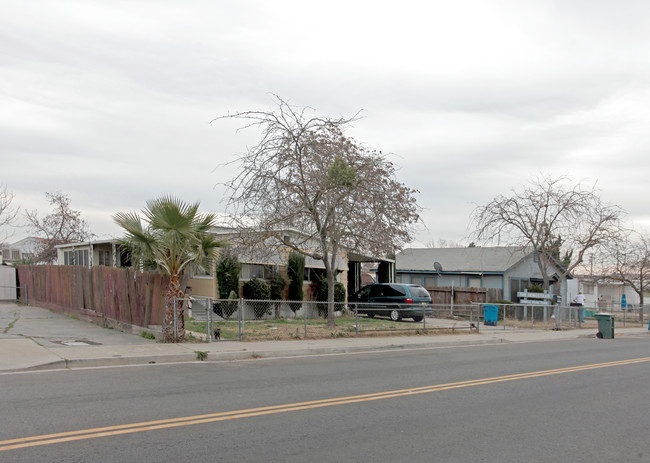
(395, 315)
(418, 318)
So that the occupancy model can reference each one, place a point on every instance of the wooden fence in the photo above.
(99, 294)
(462, 295)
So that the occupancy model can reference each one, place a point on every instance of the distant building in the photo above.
(508, 269)
(602, 292)
(23, 251)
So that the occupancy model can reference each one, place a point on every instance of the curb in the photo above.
(251, 353)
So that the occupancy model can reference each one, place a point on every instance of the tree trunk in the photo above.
(331, 320)
(331, 287)
(541, 264)
(174, 291)
(641, 286)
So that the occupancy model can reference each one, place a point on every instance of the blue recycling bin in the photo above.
(490, 314)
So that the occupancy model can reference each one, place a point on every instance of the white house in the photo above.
(22, 251)
(602, 292)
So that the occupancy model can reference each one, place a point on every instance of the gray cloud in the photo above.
(111, 102)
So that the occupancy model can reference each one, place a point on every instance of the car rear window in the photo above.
(419, 291)
(394, 290)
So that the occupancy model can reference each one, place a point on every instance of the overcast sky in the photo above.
(111, 101)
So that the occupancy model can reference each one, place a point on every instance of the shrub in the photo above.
(321, 294)
(277, 285)
(256, 289)
(228, 268)
(296, 271)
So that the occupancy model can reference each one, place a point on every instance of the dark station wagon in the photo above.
(394, 300)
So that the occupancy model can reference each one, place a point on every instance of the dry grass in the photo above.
(282, 330)
(294, 329)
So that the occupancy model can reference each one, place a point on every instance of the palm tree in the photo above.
(173, 238)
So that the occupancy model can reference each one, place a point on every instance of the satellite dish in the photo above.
(437, 266)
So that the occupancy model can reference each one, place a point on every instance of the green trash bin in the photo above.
(605, 325)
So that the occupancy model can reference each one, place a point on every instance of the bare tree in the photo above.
(548, 214)
(629, 262)
(306, 175)
(442, 243)
(61, 226)
(8, 211)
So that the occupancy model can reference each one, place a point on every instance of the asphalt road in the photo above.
(585, 400)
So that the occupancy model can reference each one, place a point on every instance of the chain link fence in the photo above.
(210, 320)
(562, 317)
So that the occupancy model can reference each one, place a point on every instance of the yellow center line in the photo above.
(94, 433)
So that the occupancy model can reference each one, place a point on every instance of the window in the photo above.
(365, 291)
(474, 282)
(76, 257)
(201, 272)
(104, 258)
(15, 254)
(311, 274)
(263, 272)
(376, 291)
(417, 291)
(517, 285)
(394, 290)
(588, 288)
(429, 282)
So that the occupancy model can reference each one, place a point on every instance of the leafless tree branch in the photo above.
(306, 175)
(546, 213)
(8, 211)
(61, 226)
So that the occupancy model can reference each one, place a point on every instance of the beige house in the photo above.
(257, 262)
(261, 262)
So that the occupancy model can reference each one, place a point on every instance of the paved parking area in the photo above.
(51, 329)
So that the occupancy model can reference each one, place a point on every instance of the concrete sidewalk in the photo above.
(32, 338)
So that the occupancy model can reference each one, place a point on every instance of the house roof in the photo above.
(85, 243)
(26, 244)
(454, 260)
(353, 256)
